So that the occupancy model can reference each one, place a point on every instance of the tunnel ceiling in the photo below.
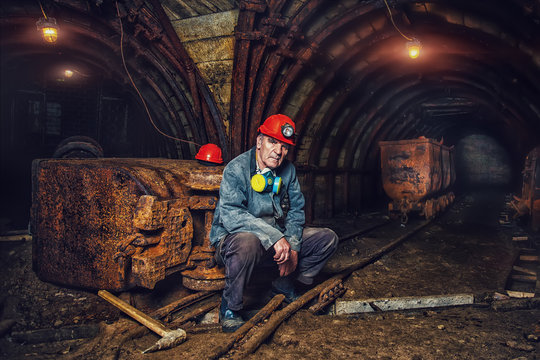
(338, 68)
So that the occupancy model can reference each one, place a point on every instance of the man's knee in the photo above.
(245, 245)
(330, 238)
(324, 238)
(319, 241)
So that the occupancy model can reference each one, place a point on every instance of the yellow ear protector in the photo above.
(266, 183)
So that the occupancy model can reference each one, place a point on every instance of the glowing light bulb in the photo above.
(413, 48)
(48, 28)
(50, 34)
(68, 73)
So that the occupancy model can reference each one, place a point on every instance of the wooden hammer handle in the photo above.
(153, 324)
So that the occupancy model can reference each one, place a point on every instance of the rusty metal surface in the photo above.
(411, 168)
(415, 175)
(202, 272)
(118, 223)
(448, 168)
(529, 203)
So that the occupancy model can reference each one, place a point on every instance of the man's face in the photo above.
(270, 152)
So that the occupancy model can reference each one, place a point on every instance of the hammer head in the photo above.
(171, 339)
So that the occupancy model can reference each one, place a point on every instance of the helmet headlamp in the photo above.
(280, 127)
(287, 130)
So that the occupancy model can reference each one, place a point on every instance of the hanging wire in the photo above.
(393, 23)
(137, 89)
(42, 11)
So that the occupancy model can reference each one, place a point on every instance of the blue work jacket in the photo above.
(269, 216)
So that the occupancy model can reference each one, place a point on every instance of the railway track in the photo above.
(523, 278)
(374, 245)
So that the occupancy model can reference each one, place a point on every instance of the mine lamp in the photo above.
(413, 47)
(48, 28)
(68, 73)
(413, 44)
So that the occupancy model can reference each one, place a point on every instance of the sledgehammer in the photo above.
(169, 338)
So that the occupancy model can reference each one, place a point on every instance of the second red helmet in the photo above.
(210, 153)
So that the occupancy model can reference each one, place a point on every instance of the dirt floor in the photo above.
(464, 251)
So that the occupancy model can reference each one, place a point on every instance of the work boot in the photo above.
(230, 320)
(284, 285)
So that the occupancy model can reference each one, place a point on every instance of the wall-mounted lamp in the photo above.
(48, 27)
(71, 72)
(413, 45)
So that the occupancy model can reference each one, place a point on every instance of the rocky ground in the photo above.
(464, 251)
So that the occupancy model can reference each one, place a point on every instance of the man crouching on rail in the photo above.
(259, 221)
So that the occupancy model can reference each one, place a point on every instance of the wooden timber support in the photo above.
(252, 6)
(275, 21)
(330, 195)
(310, 174)
(203, 309)
(166, 310)
(241, 74)
(255, 36)
(238, 334)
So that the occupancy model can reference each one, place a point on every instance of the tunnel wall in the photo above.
(482, 161)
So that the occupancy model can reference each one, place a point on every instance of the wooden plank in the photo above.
(519, 294)
(532, 258)
(524, 278)
(402, 303)
(15, 232)
(22, 237)
(524, 270)
(516, 304)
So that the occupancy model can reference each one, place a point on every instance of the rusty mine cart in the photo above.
(416, 175)
(116, 223)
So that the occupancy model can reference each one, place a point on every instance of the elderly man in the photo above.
(259, 221)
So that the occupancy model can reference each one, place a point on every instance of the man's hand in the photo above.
(289, 266)
(282, 249)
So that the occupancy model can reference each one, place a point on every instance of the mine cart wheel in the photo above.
(428, 209)
(78, 147)
(442, 203)
(404, 218)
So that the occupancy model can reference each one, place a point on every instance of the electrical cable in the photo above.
(135, 86)
(42, 11)
(393, 23)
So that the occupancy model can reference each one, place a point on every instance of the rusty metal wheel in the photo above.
(428, 209)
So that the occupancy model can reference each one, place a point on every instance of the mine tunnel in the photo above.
(139, 86)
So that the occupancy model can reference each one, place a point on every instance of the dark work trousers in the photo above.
(240, 253)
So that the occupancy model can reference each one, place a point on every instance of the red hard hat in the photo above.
(279, 127)
(210, 153)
